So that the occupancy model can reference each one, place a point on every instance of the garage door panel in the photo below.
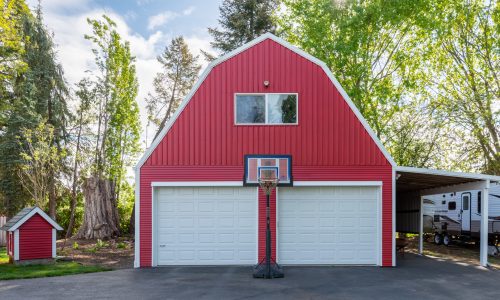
(206, 226)
(338, 226)
(225, 222)
(244, 222)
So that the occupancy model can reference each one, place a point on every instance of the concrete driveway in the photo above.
(414, 278)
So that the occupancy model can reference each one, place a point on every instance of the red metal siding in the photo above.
(328, 132)
(35, 239)
(329, 142)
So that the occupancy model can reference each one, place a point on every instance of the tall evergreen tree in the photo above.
(171, 85)
(242, 21)
(38, 95)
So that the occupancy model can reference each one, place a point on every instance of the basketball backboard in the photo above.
(268, 166)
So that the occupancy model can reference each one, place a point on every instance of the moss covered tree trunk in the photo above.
(100, 220)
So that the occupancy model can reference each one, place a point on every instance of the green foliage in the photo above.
(116, 87)
(76, 246)
(372, 47)
(40, 160)
(464, 72)
(121, 245)
(4, 258)
(35, 91)
(98, 246)
(242, 21)
(64, 211)
(101, 244)
(125, 206)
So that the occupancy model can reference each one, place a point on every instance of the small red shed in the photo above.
(31, 235)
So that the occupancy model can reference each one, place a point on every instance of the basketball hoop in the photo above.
(268, 184)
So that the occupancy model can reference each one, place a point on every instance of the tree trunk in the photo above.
(74, 195)
(100, 219)
(52, 196)
(132, 221)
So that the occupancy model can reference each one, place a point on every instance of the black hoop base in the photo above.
(260, 270)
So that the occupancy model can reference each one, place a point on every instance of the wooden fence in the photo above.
(3, 236)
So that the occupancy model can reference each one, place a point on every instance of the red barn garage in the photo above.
(31, 235)
(266, 99)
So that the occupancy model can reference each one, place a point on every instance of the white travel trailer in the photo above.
(458, 216)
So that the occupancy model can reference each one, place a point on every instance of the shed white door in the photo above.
(328, 225)
(206, 226)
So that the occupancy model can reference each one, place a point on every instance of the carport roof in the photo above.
(414, 179)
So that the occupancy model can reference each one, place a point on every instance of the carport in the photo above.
(412, 184)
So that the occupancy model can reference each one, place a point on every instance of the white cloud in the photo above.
(188, 11)
(142, 2)
(161, 19)
(167, 16)
(74, 52)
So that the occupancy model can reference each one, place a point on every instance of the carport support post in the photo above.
(421, 228)
(484, 225)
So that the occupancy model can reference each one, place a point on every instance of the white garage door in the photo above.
(206, 226)
(327, 225)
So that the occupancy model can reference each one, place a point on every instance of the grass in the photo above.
(11, 271)
(4, 258)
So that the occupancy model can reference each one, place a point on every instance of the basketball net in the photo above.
(268, 184)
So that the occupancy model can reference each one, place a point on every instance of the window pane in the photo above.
(465, 202)
(479, 202)
(250, 109)
(452, 205)
(282, 109)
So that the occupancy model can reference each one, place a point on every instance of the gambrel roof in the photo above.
(244, 47)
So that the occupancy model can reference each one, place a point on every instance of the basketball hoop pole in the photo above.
(268, 237)
(268, 270)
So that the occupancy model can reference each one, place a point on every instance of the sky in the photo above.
(148, 25)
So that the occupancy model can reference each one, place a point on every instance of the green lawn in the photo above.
(10, 271)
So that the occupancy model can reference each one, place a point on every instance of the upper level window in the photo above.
(266, 109)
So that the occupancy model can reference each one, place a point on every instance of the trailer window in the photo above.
(465, 202)
(452, 205)
(479, 202)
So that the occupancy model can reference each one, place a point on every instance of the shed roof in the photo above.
(414, 179)
(24, 215)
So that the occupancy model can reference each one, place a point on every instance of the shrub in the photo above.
(101, 244)
(75, 246)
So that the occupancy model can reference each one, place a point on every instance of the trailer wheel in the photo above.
(438, 239)
(446, 240)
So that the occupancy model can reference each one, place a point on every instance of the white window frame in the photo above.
(266, 122)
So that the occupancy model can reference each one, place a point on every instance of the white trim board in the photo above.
(54, 241)
(137, 227)
(16, 244)
(34, 211)
(244, 47)
(196, 183)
